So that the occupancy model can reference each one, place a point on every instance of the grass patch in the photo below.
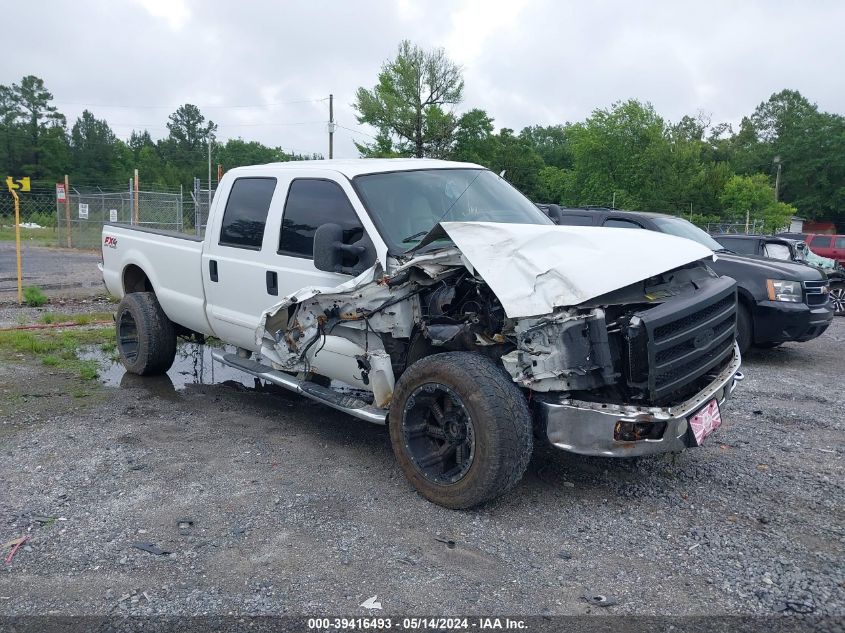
(78, 319)
(34, 297)
(56, 348)
(42, 237)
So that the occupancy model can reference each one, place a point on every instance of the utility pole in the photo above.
(209, 175)
(331, 126)
(777, 178)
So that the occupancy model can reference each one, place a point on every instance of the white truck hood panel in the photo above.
(534, 268)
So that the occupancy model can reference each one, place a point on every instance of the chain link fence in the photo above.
(61, 231)
(755, 227)
(201, 198)
(81, 215)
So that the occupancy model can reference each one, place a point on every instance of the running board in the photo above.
(342, 402)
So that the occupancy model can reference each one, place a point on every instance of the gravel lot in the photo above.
(269, 504)
(57, 271)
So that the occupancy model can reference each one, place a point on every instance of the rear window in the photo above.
(246, 212)
(821, 241)
(576, 220)
(619, 223)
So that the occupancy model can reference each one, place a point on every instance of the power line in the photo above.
(163, 127)
(349, 129)
(205, 107)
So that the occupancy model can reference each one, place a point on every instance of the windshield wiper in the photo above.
(725, 250)
(413, 238)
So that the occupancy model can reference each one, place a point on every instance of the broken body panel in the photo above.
(566, 309)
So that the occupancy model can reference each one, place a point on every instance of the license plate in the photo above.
(707, 420)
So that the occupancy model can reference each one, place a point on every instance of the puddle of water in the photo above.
(193, 366)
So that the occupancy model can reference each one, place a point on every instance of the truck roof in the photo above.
(351, 167)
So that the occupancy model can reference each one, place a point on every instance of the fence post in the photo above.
(196, 206)
(131, 205)
(67, 212)
(135, 208)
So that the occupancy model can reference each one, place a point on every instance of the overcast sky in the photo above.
(525, 61)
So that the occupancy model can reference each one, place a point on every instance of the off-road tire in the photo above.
(500, 418)
(152, 348)
(744, 328)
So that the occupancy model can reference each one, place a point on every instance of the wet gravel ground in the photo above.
(263, 503)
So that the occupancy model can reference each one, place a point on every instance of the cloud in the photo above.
(174, 12)
(543, 61)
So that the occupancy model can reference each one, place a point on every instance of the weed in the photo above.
(34, 297)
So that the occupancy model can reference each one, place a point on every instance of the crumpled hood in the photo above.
(534, 268)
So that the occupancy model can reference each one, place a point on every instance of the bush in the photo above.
(34, 297)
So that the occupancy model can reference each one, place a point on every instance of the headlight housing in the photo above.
(784, 290)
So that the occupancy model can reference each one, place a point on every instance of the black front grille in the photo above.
(674, 346)
(815, 292)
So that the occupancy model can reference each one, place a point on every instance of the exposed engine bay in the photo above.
(376, 325)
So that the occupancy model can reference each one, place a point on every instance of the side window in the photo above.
(570, 219)
(740, 246)
(821, 241)
(777, 251)
(619, 223)
(840, 242)
(246, 212)
(310, 204)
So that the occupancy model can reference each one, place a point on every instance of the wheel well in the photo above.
(136, 280)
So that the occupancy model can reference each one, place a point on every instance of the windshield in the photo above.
(406, 205)
(683, 228)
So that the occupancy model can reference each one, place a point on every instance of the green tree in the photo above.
(753, 198)
(186, 147)
(622, 153)
(407, 105)
(94, 149)
(519, 161)
(237, 152)
(474, 141)
(38, 116)
(550, 142)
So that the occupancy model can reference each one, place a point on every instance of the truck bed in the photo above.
(171, 261)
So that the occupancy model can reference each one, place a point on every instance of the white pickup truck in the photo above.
(433, 297)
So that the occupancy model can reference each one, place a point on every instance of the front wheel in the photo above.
(837, 299)
(460, 428)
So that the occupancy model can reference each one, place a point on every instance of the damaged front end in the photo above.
(612, 374)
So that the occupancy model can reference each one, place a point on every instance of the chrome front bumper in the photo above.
(587, 428)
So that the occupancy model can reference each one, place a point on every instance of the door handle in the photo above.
(212, 269)
(272, 283)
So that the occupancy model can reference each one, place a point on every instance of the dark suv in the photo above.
(794, 250)
(779, 301)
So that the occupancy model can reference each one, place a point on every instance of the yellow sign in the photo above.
(21, 184)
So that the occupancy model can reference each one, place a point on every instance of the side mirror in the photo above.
(329, 251)
(555, 213)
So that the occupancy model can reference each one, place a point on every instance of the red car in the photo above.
(832, 246)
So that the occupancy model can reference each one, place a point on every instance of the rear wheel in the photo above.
(837, 298)
(460, 428)
(744, 328)
(146, 338)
